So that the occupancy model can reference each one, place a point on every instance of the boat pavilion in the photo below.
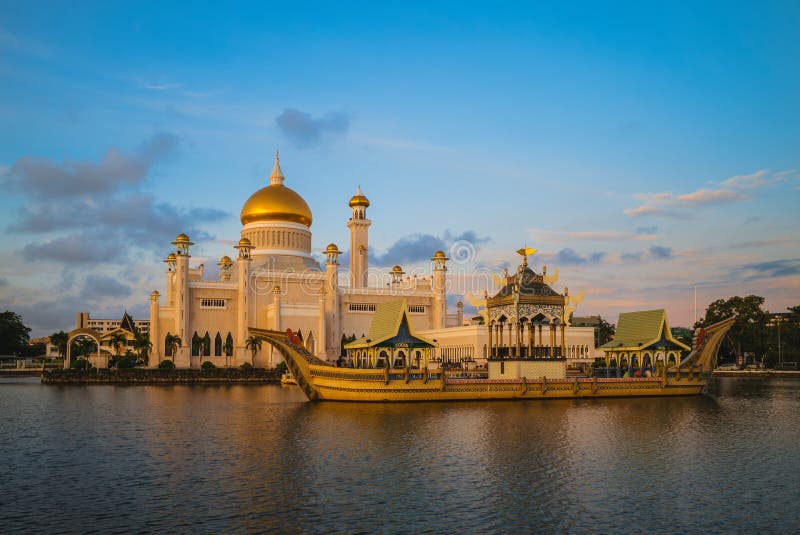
(391, 341)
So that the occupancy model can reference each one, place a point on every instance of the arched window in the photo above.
(196, 342)
(206, 345)
(671, 361)
(167, 348)
(399, 359)
(648, 363)
(635, 361)
(217, 345)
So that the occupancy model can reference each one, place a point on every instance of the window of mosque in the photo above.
(416, 309)
(361, 307)
(212, 303)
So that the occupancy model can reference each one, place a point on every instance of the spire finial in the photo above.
(358, 190)
(276, 177)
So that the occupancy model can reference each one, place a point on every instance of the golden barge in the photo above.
(321, 381)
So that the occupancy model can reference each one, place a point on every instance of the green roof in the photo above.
(637, 330)
(386, 325)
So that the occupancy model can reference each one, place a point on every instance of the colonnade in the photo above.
(527, 339)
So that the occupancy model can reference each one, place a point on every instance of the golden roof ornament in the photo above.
(525, 252)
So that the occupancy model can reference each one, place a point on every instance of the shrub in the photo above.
(81, 364)
(207, 366)
(246, 366)
(166, 365)
(281, 367)
(124, 363)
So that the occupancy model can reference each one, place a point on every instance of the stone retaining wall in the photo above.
(167, 377)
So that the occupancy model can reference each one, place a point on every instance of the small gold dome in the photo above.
(276, 202)
(225, 260)
(397, 269)
(182, 238)
(244, 242)
(331, 248)
(439, 254)
(359, 199)
(171, 256)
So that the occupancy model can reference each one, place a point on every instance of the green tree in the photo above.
(117, 341)
(142, 344)
(84, 346)
(603, 333)
(253, 344)
(227, 348)
(748, 336)
(14, 335)
(59, 340)
(173, 342)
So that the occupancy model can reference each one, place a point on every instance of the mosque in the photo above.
(275, 283)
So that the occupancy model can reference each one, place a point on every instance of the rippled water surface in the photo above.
(260, 458)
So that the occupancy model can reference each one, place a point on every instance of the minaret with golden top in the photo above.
(359, 240)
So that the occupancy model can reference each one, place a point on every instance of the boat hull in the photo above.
(332, 384)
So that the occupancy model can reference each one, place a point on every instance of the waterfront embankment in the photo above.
(782, 374)
(139, 376)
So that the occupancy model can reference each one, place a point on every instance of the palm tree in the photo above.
(117, 341)
(173, 342)
(142, 344)
(227, 348)
(253, 344)
(59, 340)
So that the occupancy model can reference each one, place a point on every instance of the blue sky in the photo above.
(642, 149)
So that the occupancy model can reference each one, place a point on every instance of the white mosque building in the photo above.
(275, 283)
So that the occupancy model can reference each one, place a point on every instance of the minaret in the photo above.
(155, 332)
(181, 289)
(359, 240)
(439, 295)
(242, 303)
(332, 335)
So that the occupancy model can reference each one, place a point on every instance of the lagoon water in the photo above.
(105, 459)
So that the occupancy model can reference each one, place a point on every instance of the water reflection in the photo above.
(246, 458)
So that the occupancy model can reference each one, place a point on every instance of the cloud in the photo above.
(708, 196)
(414, 248)
(88, 247)
(558, 236)
(660, 253)
(647, 230)
(568, 257)
(92, 212)
(669, 205)
(95, 286)
(732, 190)
(753, 180)
(3, 282)
(41, 178)
(761, 243)
(788, 267)
(305, 131)
(160, 86)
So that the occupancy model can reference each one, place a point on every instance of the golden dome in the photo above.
(182, 238)
(397, 269)
(171, 256)
(439, 254)
(225, 260)
(244, 242)
(359, 199)
(276, 202)
(331, 248)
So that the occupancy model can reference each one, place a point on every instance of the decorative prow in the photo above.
(705, 346)
(296, 357)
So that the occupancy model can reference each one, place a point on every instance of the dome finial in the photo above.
(276, 177)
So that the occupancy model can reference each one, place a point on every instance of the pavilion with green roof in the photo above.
(391, 341)
(643, 340)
